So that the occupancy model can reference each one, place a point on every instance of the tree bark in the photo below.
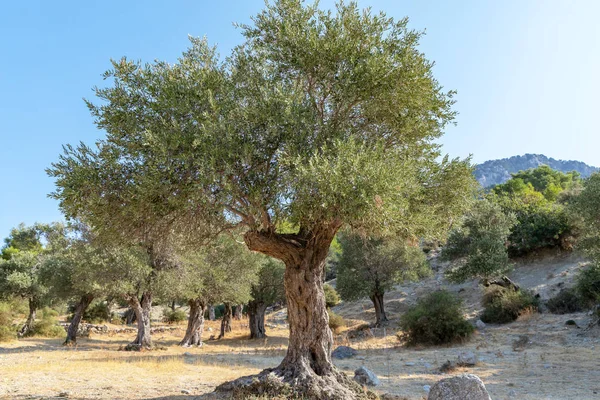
(211, 312)
(77, 317)
(381, 318)
(28, 327)
(226, 320)
(256, 315)
(307, 368)
(195, 328)
(238, 312)
(173, 305)
(142, 311)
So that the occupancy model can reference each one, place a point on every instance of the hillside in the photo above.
(493, 172)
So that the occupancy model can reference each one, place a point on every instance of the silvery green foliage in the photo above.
(586, 206)
(372, 266)
(318, 117)
(479, 245)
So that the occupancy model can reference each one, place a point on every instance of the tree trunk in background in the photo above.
(173, 305)
(256, 314)
(193, 334)
(211, 312)
(307, 368)
(28, 327)
(85, 301)
(380, 316)
(226, 320)
(238, 312)
(142, 314)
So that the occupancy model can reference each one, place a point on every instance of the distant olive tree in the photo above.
(370, 267)
(478, 247)
(265, 292)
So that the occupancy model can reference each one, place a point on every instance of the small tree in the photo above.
(480, 244)
(369, 267)
(587, 207)
(24, 256)
(268, 290)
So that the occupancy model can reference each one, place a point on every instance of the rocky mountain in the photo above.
(493, 172)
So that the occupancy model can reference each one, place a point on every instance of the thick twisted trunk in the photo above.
(307, 369)
(28, 326)
(83, 304)
(256, 315)
(142, 311)
(381, 318)
(195, 327)
(237, 314)
(226, 320)
(211, 312)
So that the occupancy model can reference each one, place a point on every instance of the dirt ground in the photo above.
(536, 357)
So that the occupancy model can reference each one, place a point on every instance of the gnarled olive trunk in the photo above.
(256, 315)
(142, 311)
(238, 312)
(83, 304)
(193, 333)
(226, 320)
(28, 326)
(377, 299)
(211, 312)
(307, 368)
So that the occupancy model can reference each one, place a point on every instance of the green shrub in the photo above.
(174, 316)
(436, 319)
(335, 321)
(588, 285)
(97, 313)
(565, 302)
(332, 297)
(502, 305)
(8, 330)
(47, 324)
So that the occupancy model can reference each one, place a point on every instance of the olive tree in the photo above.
(267, 291)
(320, 119)
(25, 256)
(478, 247)
(586, 206)
(369, 267)
(222, 271)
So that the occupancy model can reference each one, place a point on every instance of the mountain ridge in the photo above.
(494, 172)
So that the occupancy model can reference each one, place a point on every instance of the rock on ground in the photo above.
(462, 387)
(466, 359)
(342, 352)
(365, 377)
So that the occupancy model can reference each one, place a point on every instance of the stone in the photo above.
(462, 387)
(365, 377)
(188, 354)
(64, 394)
(512, 393)
(426, 388)
(185, 391)
(466, 359)
(480, 324)
(410, 364)
(342, 352)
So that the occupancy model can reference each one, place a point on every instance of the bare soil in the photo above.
(536, 357)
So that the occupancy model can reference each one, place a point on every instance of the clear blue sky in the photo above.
(526, 71)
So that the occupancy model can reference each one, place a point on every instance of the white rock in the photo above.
(460, 387)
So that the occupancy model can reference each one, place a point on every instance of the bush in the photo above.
(8, 330)
(565, 302)
(97, 313)
(436, 319)
(335, 321)
(332, 297)
(47, 325)
(502, 305)
(174, 316)
(588, 285)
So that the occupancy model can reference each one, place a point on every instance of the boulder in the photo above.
(462, 387)
(365, 377)
(480, 324)
(466, 359)
(342, 352)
